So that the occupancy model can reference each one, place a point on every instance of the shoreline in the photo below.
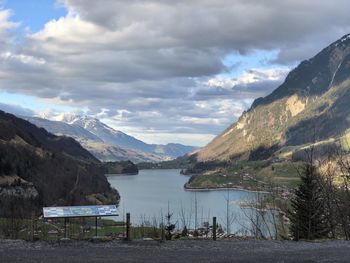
(123, 174)
(202, 189)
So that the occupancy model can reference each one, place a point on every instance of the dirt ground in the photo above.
(175, 251)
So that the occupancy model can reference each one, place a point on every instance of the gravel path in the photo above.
(175, 251)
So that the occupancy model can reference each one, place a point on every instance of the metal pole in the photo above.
(214, 228)
(128, 238)
(96, 226)
(228, 212)
(195, 213)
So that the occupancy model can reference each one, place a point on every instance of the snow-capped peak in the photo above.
(90, 123)
(81, 120)
(67, 117)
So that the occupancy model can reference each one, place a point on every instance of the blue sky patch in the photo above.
(34, 14)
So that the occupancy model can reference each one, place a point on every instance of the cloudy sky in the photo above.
(163, 71)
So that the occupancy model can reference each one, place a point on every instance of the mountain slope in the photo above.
(58, 169)
(311, 105)
(110, 153)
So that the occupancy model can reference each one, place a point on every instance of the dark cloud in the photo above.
(224, 24)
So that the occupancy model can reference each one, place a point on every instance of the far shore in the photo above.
(109, 175)
(202, 189)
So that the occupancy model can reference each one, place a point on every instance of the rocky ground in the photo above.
(175, 251)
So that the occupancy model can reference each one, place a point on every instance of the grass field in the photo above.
(250, 175)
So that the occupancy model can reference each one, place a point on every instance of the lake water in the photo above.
(149, 195)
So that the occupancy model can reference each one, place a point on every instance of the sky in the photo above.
(162, 71)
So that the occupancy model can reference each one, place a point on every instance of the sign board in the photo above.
(80, 211)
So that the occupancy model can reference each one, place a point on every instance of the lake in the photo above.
(149, 195)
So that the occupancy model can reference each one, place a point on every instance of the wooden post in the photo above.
(162, 233)
(214, 228)
(128, 238)
(82, 222)
(96, 226)
(65, 227)
(32, 227)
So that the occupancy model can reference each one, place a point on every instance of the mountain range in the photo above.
(311, 107)
(106, 143)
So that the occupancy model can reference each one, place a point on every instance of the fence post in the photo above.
(162, 233)
(32, 227)
(96, 226)
(65, 227)
(128, 238)
(214, 228)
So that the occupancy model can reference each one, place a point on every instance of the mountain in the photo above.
(106, 143)
(91, 142)
(118, 138)
(45, 169)
(61, 128)
(104, 132)
(109, 153)
(173, 150)
(311, 106)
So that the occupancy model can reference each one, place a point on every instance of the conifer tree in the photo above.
(308, 214)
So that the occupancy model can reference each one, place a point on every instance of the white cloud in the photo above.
(6, 30)
(154, 65)
(22, 58)
(5, 23)
(249, 77)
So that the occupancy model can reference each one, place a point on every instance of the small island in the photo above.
(121, 167)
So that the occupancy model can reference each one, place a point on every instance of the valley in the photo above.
(251, 170)
(174, 131)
